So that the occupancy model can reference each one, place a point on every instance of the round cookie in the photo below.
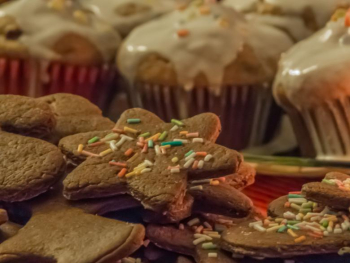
(28, 167)
(296, 227)
(181, 241)
(26, 116)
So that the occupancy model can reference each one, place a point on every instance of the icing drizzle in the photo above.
(44, 22)
(316, 69)
(240, 5)
(200, 42)
(112, 11)
(322, 9)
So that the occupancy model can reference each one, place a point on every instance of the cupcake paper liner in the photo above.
(324, 132)
(268, 188)
(40, 78)
(244, 110)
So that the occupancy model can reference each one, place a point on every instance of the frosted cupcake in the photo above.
(205, 58)
(56, 46)
(125, 15)
(300, 18)
(312, 85)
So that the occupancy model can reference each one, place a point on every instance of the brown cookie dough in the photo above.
(28, 167)
(184, 210)
(221, 199)
(244, 177)
(8, 230)
(26, 116)
(276, 207)
(71, 235)
(328, 192)
(246, 241)
(296, 227)
(74, 114)
(159, 189)
(181, 241)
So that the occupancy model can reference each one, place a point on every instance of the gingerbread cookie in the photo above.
(244, 177)
(203, 248)
(71, 235)
(277, 207)
(210, 196)
(334, 191)
(26, 116)
(74, 114)
(8, 230)
(147, 158)
(183, 210)
(221, 199)
(304, 228)
(28, 167)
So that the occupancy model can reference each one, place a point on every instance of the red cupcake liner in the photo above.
(39, 78)
(245, 111)
(268, 188)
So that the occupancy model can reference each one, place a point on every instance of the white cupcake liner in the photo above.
(243, 110)
(326, 130)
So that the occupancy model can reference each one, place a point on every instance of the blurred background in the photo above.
(274, 71)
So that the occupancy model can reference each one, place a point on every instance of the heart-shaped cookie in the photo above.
(28, 167)
(333, 191)
(26, 116)
(74, 114)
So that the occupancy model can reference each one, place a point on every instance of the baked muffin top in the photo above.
(300, 19)
(55, 30)
(125, 15)
(321, 10)
(315, 70)
(202, 45)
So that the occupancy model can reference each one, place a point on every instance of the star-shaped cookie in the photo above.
(66, 234)
(161, 184)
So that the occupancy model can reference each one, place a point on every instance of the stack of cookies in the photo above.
(170, 177)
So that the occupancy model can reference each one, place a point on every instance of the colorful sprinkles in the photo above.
(126, 138)
(205, 236)
(307, 216)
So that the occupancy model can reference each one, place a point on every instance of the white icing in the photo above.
(317, 69)
(323, 9)
(208, 48)
(106, 10)
(42, 26)
(240, 5)
(295, 26)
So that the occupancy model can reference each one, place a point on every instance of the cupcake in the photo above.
(54, 46)
(125, 15)
(299, 19)
(205, 57)
(312, 85)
